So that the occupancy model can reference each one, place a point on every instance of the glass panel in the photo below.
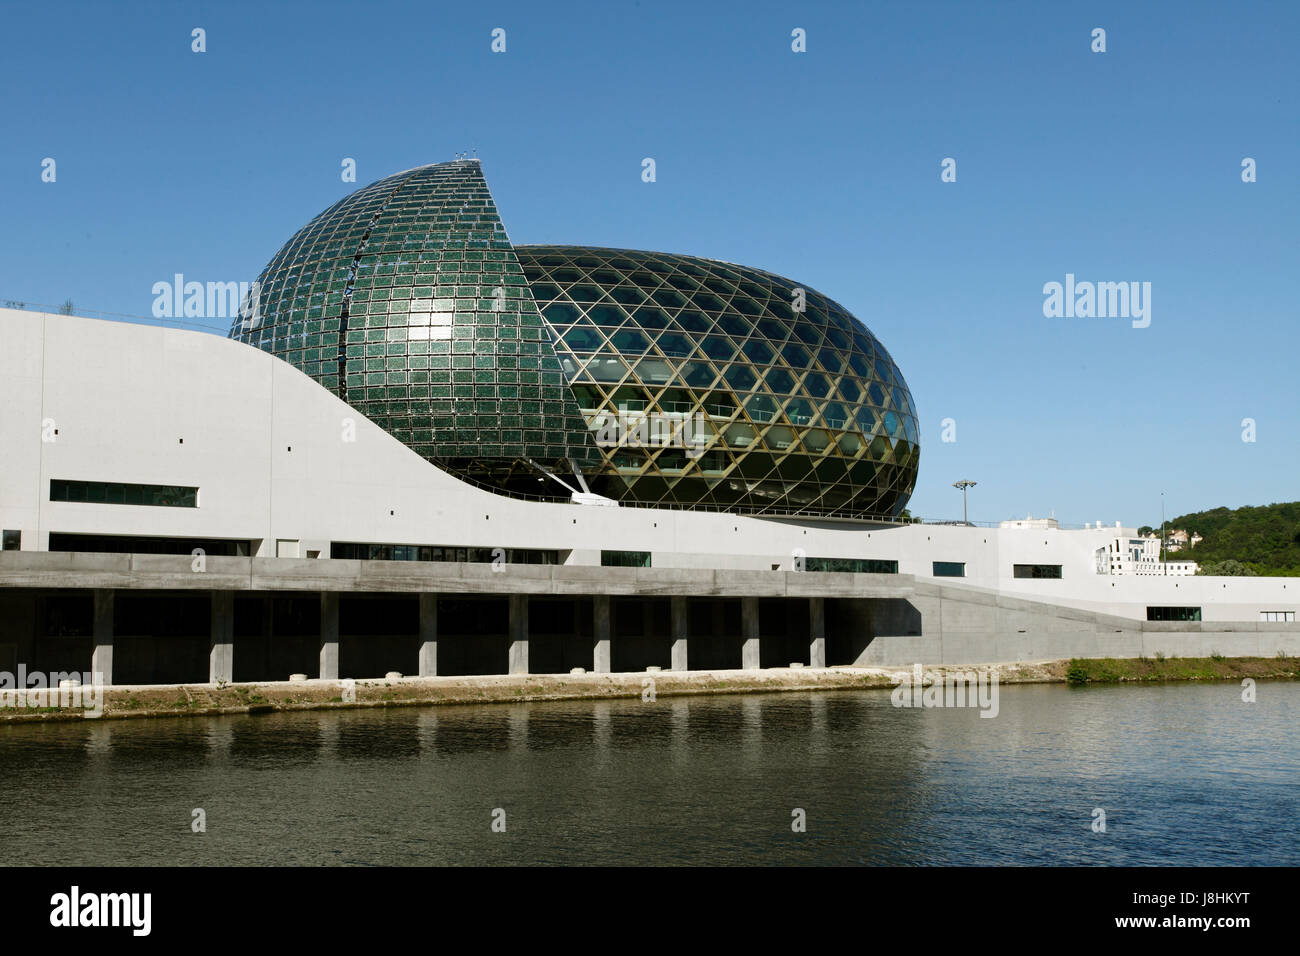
(761, 408)
(779, 380)
(654, 371)
(604, 369)
(740, 435)
(816, 440)
(740, 377)
(582, 339)
(675, 345)
(815, 384)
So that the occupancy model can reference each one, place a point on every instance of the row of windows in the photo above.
(119, 493)
(1277, 617)
(357, 551)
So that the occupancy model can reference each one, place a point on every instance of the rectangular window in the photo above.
(11, 541)
(1036, 571)
(131, 544)
(855, 565)
(1173, 613)
(1274, 617)
(950, 569)
(118, 493)
(625, 559)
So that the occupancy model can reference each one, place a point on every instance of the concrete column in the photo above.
(600, 621)
(519, 633)
(679, 628)
(816, 632)
(221, 656)
(101, 658)
(428, 635)
(329, 635)
(749, 659)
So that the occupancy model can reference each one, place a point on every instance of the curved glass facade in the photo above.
(664, 379)
(785, 411)
(406, 300)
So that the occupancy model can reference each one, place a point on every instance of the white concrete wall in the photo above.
(265, 446)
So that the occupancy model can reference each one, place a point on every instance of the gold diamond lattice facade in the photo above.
(784, 409)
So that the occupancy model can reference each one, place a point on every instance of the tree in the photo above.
(1265, 538)
(66, 308)
(1224, 569)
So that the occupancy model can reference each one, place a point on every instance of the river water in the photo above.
(1185, 774)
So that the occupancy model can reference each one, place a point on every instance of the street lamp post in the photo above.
(1163, 565)
(963, 485)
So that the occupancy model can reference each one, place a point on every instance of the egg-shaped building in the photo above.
(662, 380)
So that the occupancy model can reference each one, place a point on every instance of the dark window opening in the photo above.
(949, 569)
(856, 565)
(1037, 571)
(1173, 613)
(140, 544)
(357, 551)
(625, 559)
(119, 493)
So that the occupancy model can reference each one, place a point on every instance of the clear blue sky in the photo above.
(822, 166)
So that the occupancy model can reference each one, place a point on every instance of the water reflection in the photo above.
(1186, 774)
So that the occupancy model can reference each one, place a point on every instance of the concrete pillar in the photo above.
(428, 635)
(221, 656)
(600, 620)
(329, 635)
(679, 628)
(816, 632)
(519, 634)
(101, 658)
(749, 659)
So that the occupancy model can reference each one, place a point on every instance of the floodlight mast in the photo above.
(962, 486)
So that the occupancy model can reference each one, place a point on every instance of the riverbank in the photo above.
(1112, 670)
(176, 700)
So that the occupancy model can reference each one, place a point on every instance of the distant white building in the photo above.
(1138, 555)
(1179, 539)
(1029, 521)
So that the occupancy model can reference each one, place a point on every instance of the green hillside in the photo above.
(1263, 540)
